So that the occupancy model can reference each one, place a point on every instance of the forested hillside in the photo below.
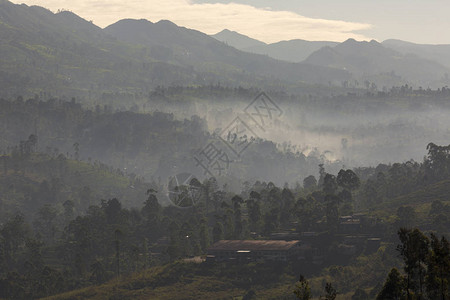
(63, 251)
(143, 144)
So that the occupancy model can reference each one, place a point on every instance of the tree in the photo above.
(437, 162)
(152, 214)
(438, 269)
(310, 182)
(330, 292)
(329, 184)
(113, 209)
(332, 212)
(287, 208)
(302, 289)
(204, 234)
(347, 179)
(98, 274)
(271, 221)
(254, 213)
(394, 286)
(76, 148)
(217, 232)
(31, 144)
(46, 222)
(414, 251)
(14, 234)
(321, 175)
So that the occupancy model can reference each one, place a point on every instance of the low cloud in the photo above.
(263, 24)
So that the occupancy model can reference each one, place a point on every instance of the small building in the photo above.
(252, 250)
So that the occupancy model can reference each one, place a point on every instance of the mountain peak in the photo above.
(225, 31)
(133, 21)
(74, 20)
(166, 23)
(350, 40)
(237, 40)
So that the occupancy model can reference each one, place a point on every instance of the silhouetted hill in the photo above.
(63, 54)
(237, 40)
(374, 62)
(201, 51)
(438, 53)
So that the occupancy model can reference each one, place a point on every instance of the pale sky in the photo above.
(272, 21)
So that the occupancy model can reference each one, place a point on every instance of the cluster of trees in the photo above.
(303, 291)
(389, 181)
(109, 240)
(324, 96)
(426, 272)
(64, 239)
(426, 268)
(39, 260)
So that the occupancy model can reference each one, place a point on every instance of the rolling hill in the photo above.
(63, 54)
(204, 53)
(60, 53)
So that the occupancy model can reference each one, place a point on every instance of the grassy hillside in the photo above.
(421, 200)
(182, 280)
(28, 184)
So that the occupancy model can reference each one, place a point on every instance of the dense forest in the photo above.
(70, 221)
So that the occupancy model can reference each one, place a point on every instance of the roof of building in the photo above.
(252, 245)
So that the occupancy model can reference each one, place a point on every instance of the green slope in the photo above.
(27, 184)
(420, 200)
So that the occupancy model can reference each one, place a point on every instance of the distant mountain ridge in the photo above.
(187, 46)
(293, 50)
(63, 54)
(374, 62)
(392, 62)
(438, 53)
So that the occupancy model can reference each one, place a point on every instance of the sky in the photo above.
(418, 21)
